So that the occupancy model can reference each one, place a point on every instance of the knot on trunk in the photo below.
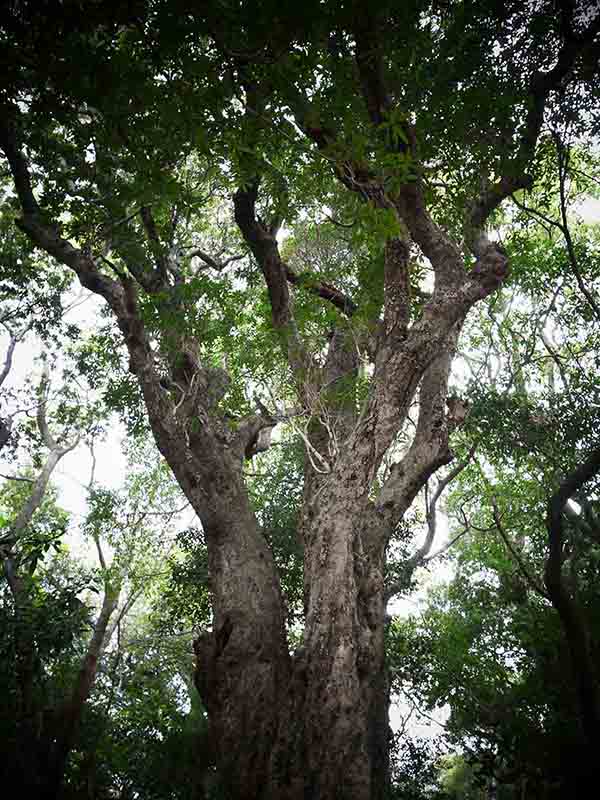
(491, 267)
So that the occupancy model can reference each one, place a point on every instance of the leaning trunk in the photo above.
(69, 717)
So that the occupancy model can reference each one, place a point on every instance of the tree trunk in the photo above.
(69, 717)
(315, 725)
(572, 616)
(243, 666)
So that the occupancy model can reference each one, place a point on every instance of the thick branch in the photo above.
(429, 449)
(398, 373)
(18, 165)
(446, 258)
(410, 204)
(370, 65)
(263, 244)
(396, 291)
(253, 434)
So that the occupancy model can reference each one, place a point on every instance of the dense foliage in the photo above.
(329, 276)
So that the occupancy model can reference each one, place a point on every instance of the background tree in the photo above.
(502, 639)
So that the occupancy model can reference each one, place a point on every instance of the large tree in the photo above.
(121, 128)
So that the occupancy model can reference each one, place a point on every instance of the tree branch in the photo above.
(429, 449)
(531, 581)
(369, 61)
(121, 295)
(42, 421)
(419, 558)
(9, 357)
(323, 290)
(563, 162)
(263, 244)
(211, 262)
(158, 280)
(516, 177)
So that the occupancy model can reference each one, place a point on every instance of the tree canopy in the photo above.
(337, 279)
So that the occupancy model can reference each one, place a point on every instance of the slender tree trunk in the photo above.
(68, 719)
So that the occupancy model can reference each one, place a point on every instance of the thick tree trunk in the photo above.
(315, 725)
(345, 714)
(243, 665)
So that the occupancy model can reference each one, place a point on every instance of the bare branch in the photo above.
(563, 164)
(17, 478)
(42, 421)
(9, 357)
(419, 558)
(218, 266)
(125, 609)
(450, 543)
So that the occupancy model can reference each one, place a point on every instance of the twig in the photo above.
(533, 583)
(17, 478)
